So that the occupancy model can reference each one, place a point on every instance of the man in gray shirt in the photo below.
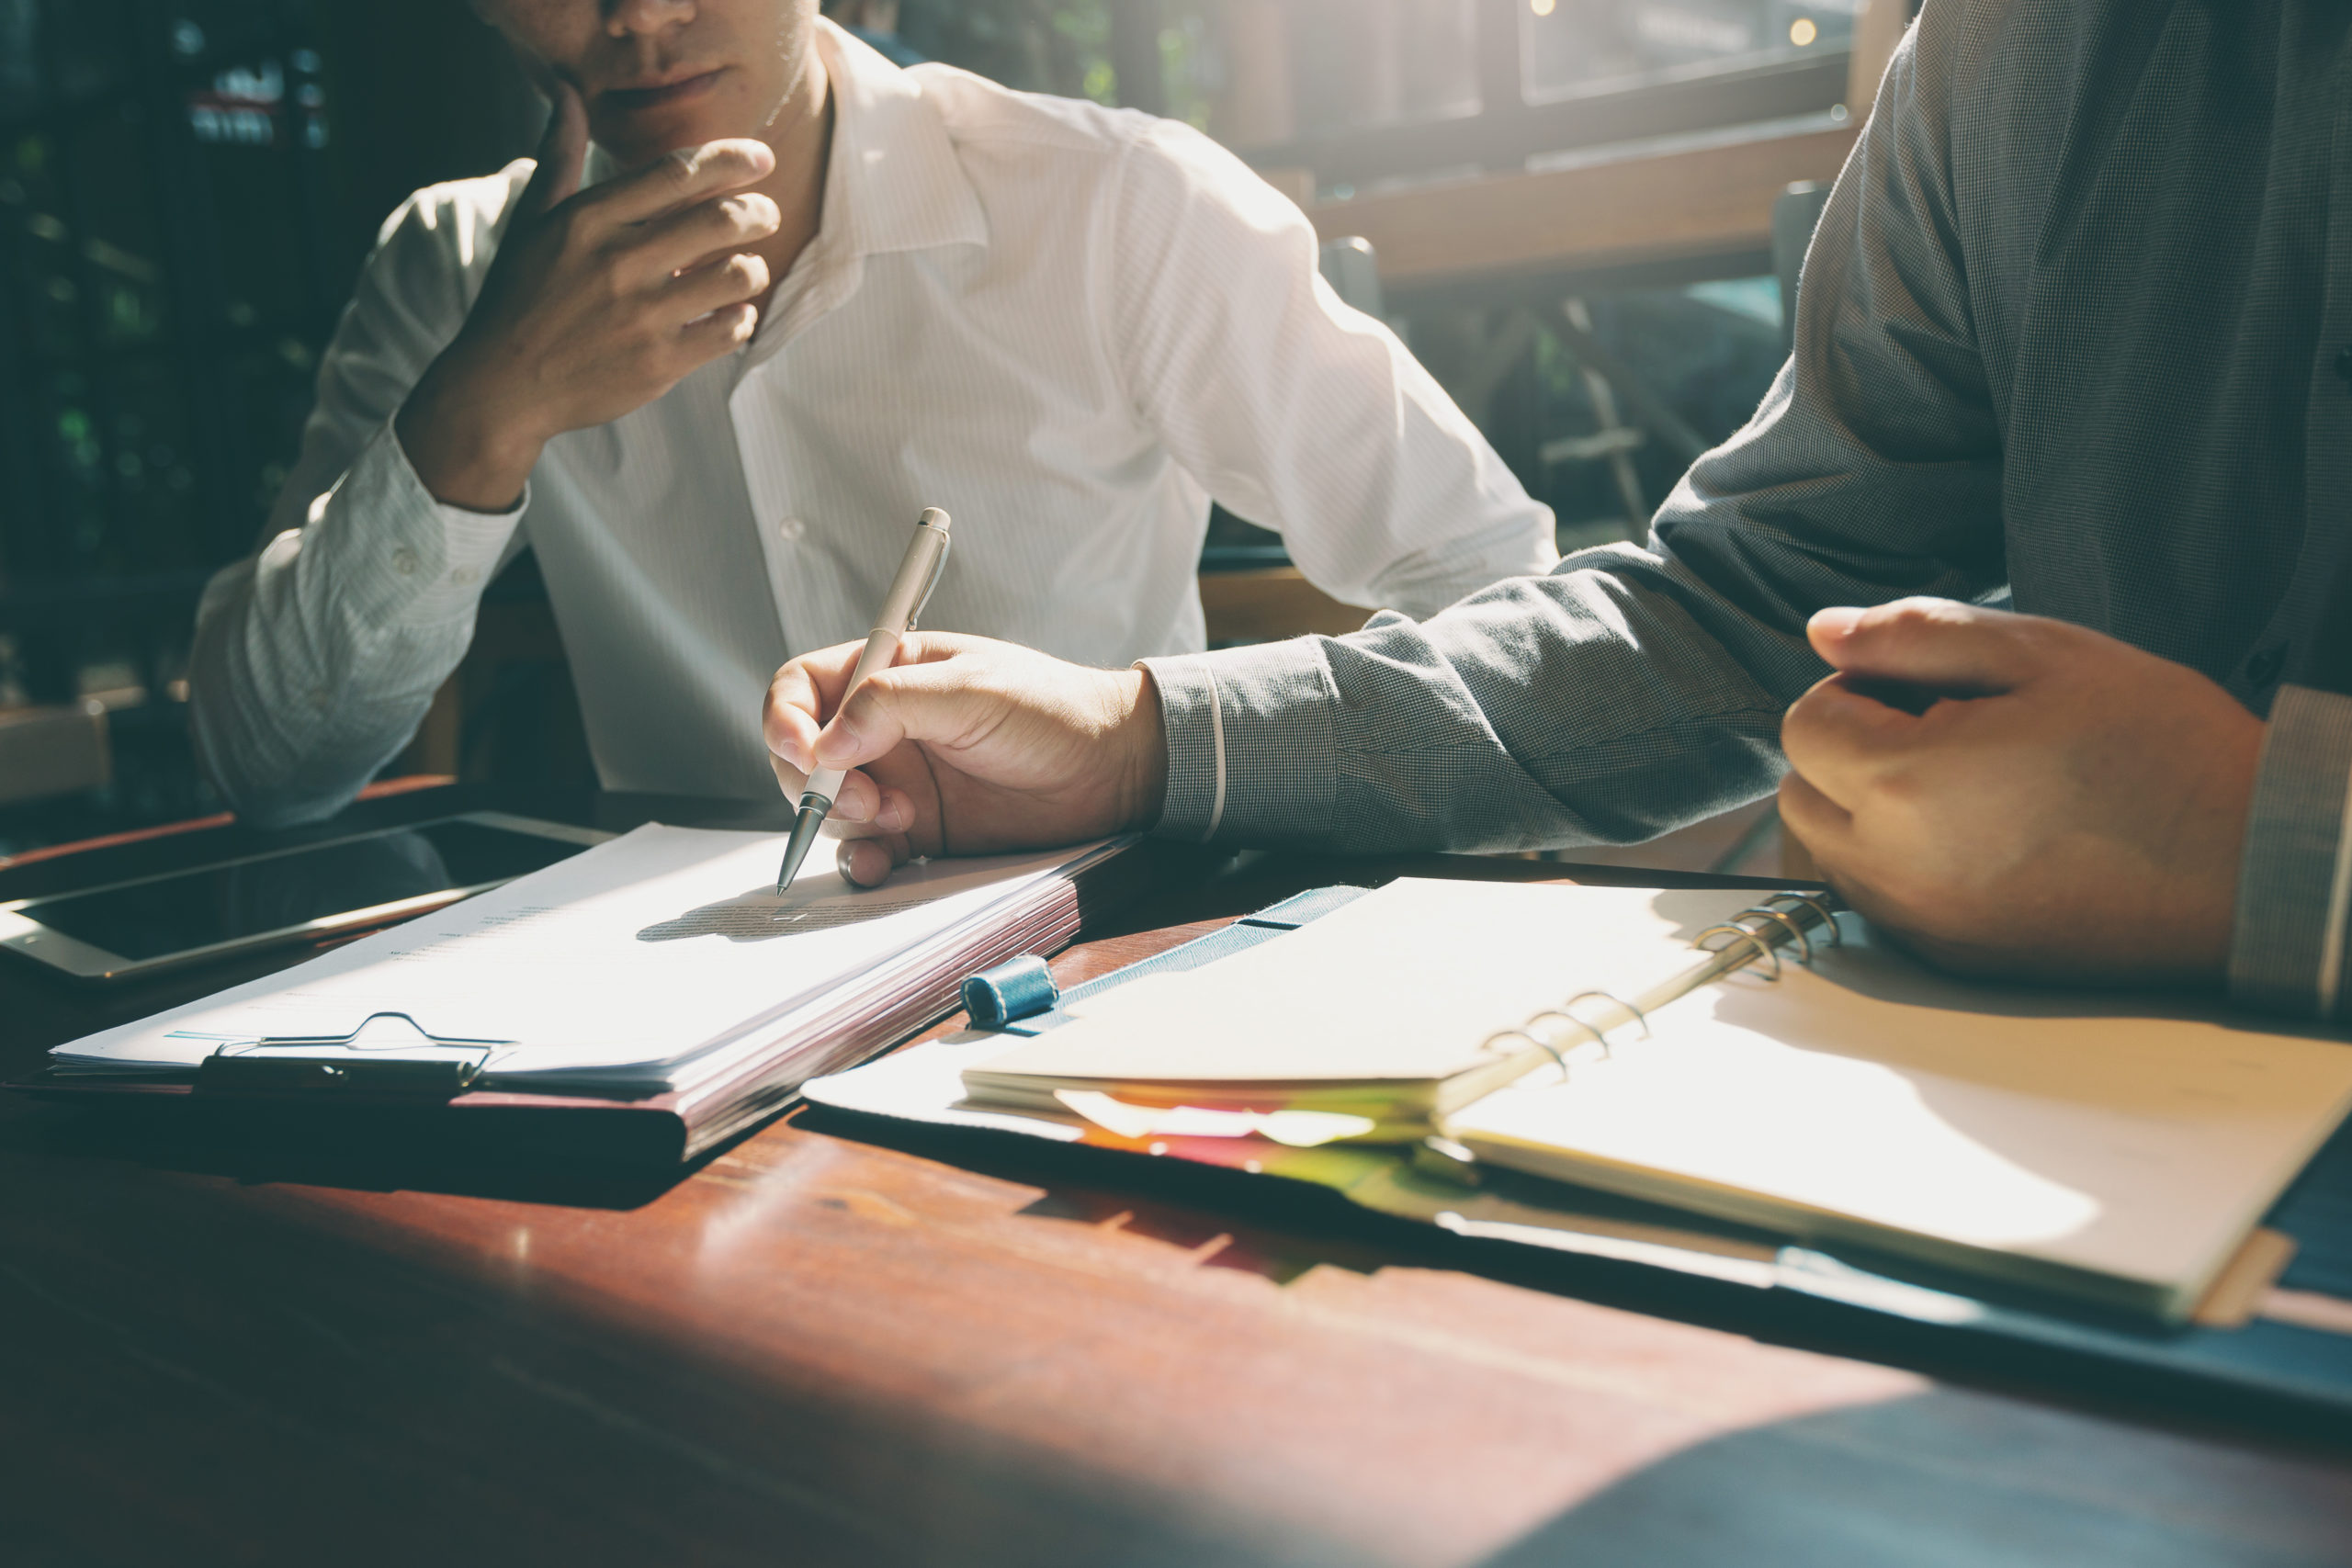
(2077, 325)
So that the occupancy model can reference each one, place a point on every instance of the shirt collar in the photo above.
(893, 181)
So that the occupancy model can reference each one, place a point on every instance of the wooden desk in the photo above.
(815, 1349)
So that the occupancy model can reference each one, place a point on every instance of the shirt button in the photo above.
(2264, 667)
(404, 562)
(2344, 362)
(792, 530)
(463, 576)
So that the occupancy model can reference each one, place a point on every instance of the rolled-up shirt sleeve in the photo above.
(2288, 946)
(314, 660)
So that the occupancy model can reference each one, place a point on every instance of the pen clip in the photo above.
(938, 569)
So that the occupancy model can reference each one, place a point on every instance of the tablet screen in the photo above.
(219, 904)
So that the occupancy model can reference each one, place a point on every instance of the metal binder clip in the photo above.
(428, 1065)
(1763, 947)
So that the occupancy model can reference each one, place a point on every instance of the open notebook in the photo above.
(2116, 1148)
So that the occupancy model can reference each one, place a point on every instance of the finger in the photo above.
(733, 281)
(868, 863)
(856, 804)
(1842, 740)
(1946, 647)
(713, 337)
(681, 178)
(896, 812)
(814, 682)
(791, 717)
(563, 152)
(695, 236)
(790, 781)
(921, 702)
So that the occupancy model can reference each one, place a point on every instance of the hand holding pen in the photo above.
(918, 573)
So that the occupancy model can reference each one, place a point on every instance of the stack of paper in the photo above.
(659, 961)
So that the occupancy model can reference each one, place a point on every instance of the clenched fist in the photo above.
(2061, 806)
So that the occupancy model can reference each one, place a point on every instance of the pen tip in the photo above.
(804, 828)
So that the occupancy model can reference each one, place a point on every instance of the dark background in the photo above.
(188, 187)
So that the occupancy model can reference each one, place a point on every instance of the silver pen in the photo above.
(918, 573)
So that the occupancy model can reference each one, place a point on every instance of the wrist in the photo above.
(463, 451)
(1142, 790)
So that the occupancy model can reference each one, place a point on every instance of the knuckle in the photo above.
(569, 224)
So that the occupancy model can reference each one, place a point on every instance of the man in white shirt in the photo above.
(712, 389)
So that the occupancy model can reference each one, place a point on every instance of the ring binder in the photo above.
(1600, 1036)
(1764, 943)
(1824, 906)
(1763, 949)
(1538, 1042)
(1804, 944)
(1639, 1016)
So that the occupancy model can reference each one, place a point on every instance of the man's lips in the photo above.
(634, 100)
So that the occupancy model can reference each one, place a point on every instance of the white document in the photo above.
(618, 965)
(1404, 986)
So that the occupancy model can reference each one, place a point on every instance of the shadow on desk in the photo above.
(1872, 1483)
(354, 1149)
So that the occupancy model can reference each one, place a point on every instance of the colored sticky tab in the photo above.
(1017, 989)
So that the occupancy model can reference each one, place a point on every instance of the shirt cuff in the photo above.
(1252, 754)
(406, 556)
(2288, 946)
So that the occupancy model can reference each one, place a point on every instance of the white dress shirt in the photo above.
(1068, 326)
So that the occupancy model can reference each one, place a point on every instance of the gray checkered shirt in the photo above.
(2076, 325)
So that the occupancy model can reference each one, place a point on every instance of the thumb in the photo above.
(908, 702)
(1941, 646)
(563, 152)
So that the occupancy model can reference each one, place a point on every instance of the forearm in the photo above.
(314, 662)
(1589, 705)
(2288, 946)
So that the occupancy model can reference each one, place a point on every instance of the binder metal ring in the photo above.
(1804, 942)
(1819, 903)
(1639, 1016)
(1489, 1045)
(1763, 947)
(1597, 1038)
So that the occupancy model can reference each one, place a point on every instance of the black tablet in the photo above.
(287, 896)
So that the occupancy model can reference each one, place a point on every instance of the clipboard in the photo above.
(394, 1080)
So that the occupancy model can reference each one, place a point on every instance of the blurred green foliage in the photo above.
(1039, 46)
